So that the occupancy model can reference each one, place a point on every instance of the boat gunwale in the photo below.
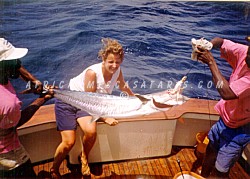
(45, 115)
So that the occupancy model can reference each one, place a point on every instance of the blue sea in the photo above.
(64, 37)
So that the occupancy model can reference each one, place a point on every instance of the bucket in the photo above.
(202, 142)
(187, 175)
(200, 150)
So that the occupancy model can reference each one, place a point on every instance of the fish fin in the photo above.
(94, 119)
(161, 105)
(142, 98)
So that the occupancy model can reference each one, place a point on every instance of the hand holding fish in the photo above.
(199, 46)
(49, 92)
(36, 87)
(205, 56)
(110, 121)
(46, 93)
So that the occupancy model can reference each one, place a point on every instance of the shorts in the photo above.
(229, 143)
(67, 115)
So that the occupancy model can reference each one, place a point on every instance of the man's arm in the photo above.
(222, 85)
(217, 42)
(28, 112)
(36, 85)
(224, 89)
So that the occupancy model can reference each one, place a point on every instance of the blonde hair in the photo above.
(110, 46)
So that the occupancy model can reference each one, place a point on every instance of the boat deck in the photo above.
(152, 168)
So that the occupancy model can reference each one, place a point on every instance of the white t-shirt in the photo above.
(77, 83)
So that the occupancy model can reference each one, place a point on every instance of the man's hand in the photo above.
(35, 87)
(49, 92)
(205, 56)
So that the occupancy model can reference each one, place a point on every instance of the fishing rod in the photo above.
(179, 163)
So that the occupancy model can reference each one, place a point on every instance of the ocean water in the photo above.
(64, 37)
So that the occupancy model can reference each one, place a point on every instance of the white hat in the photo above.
(9, 52)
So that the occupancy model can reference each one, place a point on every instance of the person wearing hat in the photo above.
(14, 160)
(231, 134)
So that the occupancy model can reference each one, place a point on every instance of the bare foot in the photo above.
(85, 167)
(54, 174)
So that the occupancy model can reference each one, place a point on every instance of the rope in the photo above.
(208, 104)
(190, 69)
(208, 46)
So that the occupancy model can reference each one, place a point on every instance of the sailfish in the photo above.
(113, 106)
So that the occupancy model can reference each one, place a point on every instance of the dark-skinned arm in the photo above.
(36, 86)
(217, 42)
(222, 85)
(224, 89)
(29, 111)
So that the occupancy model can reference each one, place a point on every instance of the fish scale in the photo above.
(105, 105)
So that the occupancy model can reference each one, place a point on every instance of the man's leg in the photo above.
(209, 160)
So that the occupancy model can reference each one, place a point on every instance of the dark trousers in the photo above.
(208, 164)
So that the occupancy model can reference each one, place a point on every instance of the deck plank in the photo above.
(116, 169)
(106, 170)
(121, 169)
(187, 159)
(131, 168)
(153, 168)
(126, 169)
(164, 167)
(171, 166)
(111, 170)
(140, 167)
(159, 168)
(150, 168)
(145, 167)
(183, 165)
(238, 172)
(135, 167)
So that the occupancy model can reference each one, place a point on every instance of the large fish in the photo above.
(105, 105)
